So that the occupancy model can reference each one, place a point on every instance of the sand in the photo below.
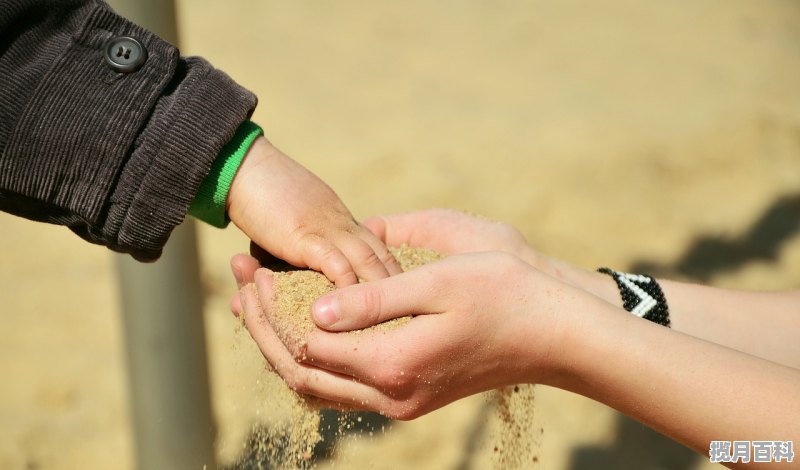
(517, 441)
(295, 291)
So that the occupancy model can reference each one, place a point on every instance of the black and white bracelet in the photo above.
(641, 295)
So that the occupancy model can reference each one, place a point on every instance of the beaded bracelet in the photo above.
(641, 295)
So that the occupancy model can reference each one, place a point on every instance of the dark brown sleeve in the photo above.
(116, 157)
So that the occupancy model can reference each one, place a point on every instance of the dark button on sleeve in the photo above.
(125, 54)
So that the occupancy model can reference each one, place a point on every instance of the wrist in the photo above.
(592, 282)
(552, 336)
(210, 203)
(246, 177)
(588, 337)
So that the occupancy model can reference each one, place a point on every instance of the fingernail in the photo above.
(326, 311)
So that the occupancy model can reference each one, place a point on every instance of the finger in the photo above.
(387, 360)
(243, 268)
(364, 305)
(322, 255)
(302, 378)
(261, 331)
(386, 257)
(236, 305)
(377, 225)
(367, 355)
(293, 338)
(366, 263)
(410, 228)
(320, 403)
(274, 351)
(445, 230)
(268, 260)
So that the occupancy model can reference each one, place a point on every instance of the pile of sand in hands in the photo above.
(295, 291)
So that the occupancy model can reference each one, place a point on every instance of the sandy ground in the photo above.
(616, 132)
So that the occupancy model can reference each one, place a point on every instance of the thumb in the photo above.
(364, 305)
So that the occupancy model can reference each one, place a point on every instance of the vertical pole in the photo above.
(163, 326)
(166, 354)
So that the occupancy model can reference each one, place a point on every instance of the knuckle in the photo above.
(395, 381)
(327, 257)
(371, 304)
(404, 383)
(384, 378)
(438, 284)
(318, 247)
(387, 259)
(370, 258)
(362, 254)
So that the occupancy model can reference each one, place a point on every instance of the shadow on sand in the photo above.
(635, 445)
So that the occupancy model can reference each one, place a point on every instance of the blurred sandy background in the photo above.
(625, 133)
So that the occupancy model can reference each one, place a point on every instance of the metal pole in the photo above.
(163, 326)
(156, 15)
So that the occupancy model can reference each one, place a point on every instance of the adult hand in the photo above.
(295, 216)
(448, 231)
(481, 321)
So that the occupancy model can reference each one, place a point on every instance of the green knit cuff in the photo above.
(209, 202)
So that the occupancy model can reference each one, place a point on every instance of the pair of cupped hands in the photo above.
(483, 318)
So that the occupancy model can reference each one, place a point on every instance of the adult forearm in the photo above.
(763, 324)
(689, 389)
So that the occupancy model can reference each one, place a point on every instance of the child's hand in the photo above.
(295, 216)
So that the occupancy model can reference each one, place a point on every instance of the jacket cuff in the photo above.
(210, 201)
(178, 146)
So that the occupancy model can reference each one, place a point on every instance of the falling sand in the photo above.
(296, 443)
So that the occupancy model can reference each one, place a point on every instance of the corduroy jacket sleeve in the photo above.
(116, 157)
